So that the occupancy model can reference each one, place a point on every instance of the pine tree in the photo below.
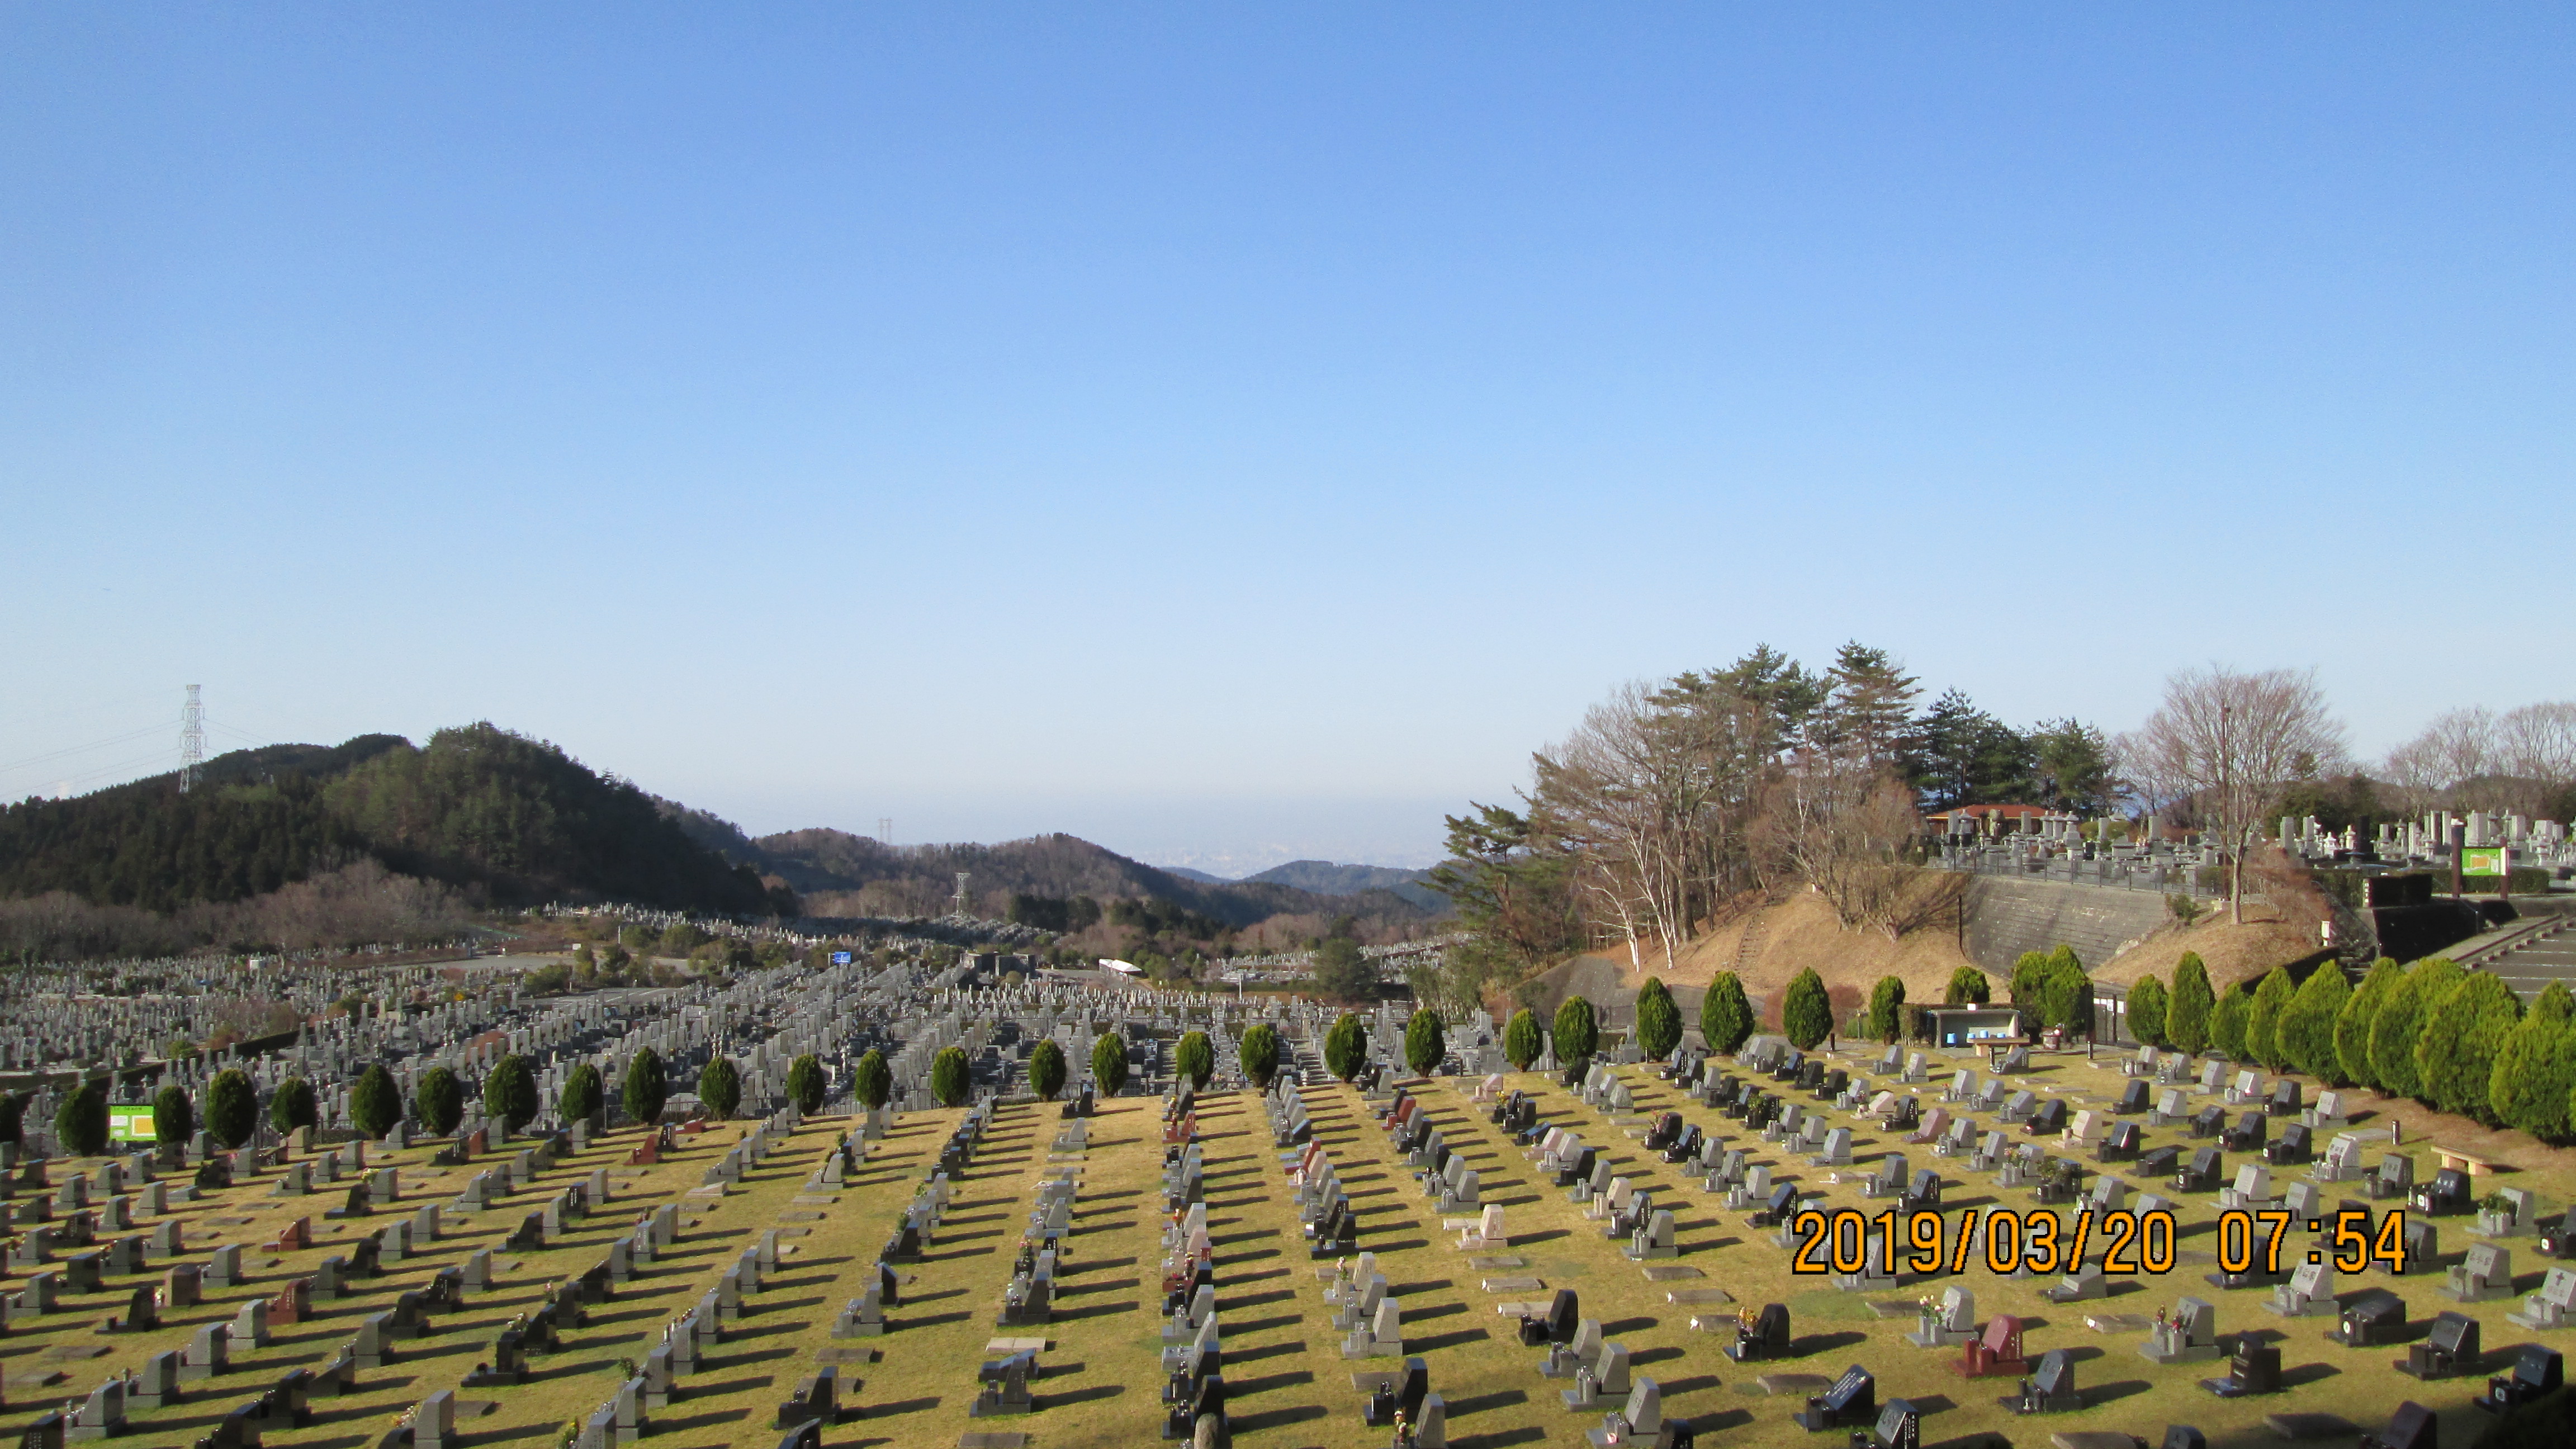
(1258, 1051)
(1725, 1014)
(441, 1100)
(1346, 1047)
(1520, 1039)
(375, 1104)
(2147, 1011)
(2227, 1024)
(2394, 1032)
(2353, 1023)
(871, 1080)
(2305, 1031)
(1807, 1011)
(1578, 1031)
(2263, 1018)
(1659, 1021)
(949, 1079)
(2464, 1033)
(2187, 1011)
(1424, 1042)
(2531, 1085)
(1887, 1010)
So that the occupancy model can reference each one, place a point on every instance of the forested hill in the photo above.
(1044, 870)
(480, 807)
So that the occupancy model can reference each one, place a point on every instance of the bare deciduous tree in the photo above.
(2233, 742)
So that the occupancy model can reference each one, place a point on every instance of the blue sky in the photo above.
(1239, 433)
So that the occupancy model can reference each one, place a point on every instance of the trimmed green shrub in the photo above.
(2305, 1032)
(1969, 986)
(2352, 1024)
(1259, 1053)
(1726, 1014)
(232, 1108)
(1659, 1021)
(80, 1123)
(871, 1080)
(441, 1100)
(1887, 1010)
(1521, 1039)
(647, 1087)
(2535, 1073)
(1195, 1058)
(1424, 1042)
(2263, 1019)
(2227, 1023)
(1578, 1031)
(510, 1093)
(174, 1117)
(807, 1083)
(1807, 1011)
(375, 1103)
(2187, 1011)
(1047, 1068)
(1109, 1062)
(2147, 1011)
(2029, 974)
(292, 1106)
(2393, 1033)
(583, 1094)
(1345, 1047)
(720, 1087)
(949, 1079)
(2463, 1035)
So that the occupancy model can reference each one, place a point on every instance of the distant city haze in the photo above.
(1236, 436)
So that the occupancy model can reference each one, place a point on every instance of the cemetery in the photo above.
(1622, 1250)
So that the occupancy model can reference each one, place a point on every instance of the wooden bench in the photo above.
(2468, 1162)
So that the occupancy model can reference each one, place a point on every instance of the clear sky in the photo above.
(1234, 433)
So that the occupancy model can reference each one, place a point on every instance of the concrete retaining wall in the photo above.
(2006, 917)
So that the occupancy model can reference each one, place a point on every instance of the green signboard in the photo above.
(130, 1123)
(2488, 860)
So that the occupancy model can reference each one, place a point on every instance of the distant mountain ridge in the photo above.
(1323, 877)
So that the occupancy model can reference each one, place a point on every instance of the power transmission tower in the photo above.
(885, 830)
(961, 892)
(192, 740)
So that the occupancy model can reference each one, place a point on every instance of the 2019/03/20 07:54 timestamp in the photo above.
(2128, 1243)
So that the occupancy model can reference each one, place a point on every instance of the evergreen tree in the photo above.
(1258, 1051)
(441, 1099)
(2532, 1082)
(1807, 1011)
(1341, 973)
(720, 1087)
(583, 1094)
(1887, 1010)
(2393, 1033)
(1425, 1043)
(2305, 1032)
(1659, 1021)
(2066, 994)
(80, 1123)
(174, 1118)
(2187, 1010)
(1047, 1069)
(375, 1103)
(13, 1117)
(292, 1106)
(2147, 1011)
(646, 1087)
(1725, 1014)
(2227, 1023)
(510, 1093)
(872, 1081)
(949, 1079)
(1520, 1039)
(1195, 1058)
(1578, 1031)
(2353, 1023)
(232, 1108)
(807, 1083)
(2029, 978)
(1109, 1062)
(2463, 1034)
(1969, 986)
(2263, 1019)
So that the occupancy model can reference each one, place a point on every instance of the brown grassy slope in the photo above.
(2232, 953)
